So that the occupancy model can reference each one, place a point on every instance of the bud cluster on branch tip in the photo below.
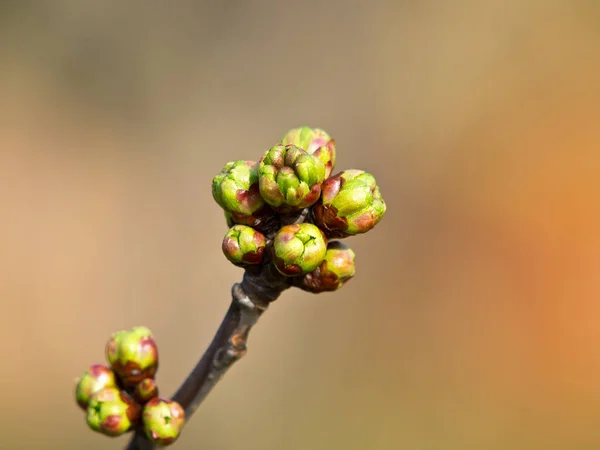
(336, 269)
(116, 397)
(243, 245)
(282, 210)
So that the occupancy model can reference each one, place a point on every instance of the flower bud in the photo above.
(314, 141)
(350, 204)
(94, 379)
(235, 189)
(145, 390)
(289, 178)
(112, 412)
(299, 248)
(163, 421)
(335, 270)
(244, 245)
(133, 355)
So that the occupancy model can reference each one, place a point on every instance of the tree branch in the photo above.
(250, 298)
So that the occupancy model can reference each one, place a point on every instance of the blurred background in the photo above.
(473, 320)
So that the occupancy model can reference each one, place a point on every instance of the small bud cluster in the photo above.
(124, 394)
(285, 208)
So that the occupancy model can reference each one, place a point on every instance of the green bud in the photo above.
(235, 189)
(315, 142)
(94, 379)
(244, 245)
(350, 204)
(299, 248)
(335, 270)
(145, 390)
(133, 355)
(112, 412)
(289, 178)
(163, 421)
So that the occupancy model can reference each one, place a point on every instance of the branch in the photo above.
(346, 204)
(250, 299)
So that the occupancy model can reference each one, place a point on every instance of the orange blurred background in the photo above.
(473, 320)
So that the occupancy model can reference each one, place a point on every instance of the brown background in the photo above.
(473, 322)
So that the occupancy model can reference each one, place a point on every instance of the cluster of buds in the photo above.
(122, 395)
(286, 208)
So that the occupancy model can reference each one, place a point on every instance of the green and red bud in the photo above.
(350, 204)
(244, 245)
(133, 355)
(314, 141)
(298, 249)
(112, 412)
(236, 190)
(163, 421)
(145, 390)
(94, 379)
(335, 270)
(290, 178)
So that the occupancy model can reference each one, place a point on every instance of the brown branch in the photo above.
(250, 298)
(260, 286)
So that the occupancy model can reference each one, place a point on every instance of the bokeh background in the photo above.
(473, 322)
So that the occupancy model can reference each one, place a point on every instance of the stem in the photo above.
(250, 298)
(228, 346)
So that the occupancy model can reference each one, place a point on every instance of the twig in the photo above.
(240, 318)
(250, 298)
